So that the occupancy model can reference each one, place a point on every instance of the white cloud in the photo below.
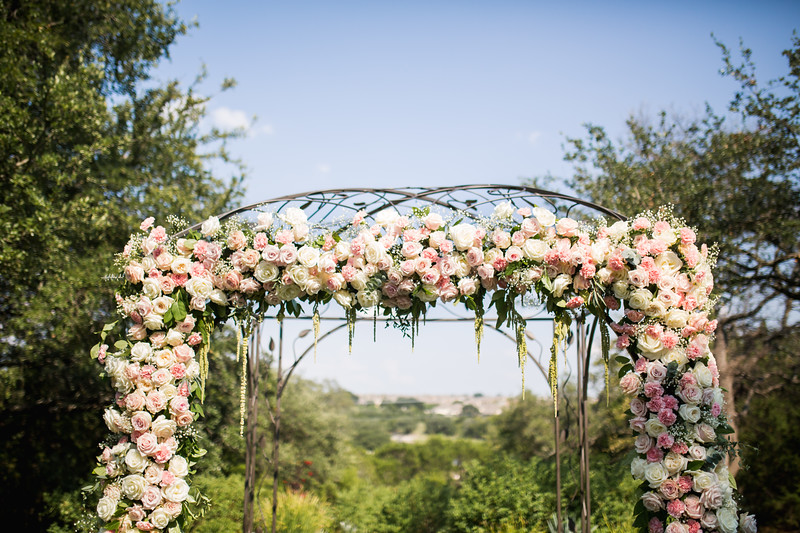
(266, 129)
(534, 136)
(324, 168)
(226, 118)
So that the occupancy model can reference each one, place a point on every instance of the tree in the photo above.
(736, 177)
(90, 146)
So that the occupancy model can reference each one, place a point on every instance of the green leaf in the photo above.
(121, 345)
(695, 465)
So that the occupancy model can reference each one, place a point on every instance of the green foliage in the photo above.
(502, 494)
(397, 462)
(90, 147)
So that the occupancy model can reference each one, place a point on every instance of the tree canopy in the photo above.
(90, 145)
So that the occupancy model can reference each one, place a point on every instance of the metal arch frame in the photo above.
(467, 199)
(329, 209)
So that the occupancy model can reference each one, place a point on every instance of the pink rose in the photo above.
(136, 513)
(184, 419)
(135, 401)
(155, 401)
(236, 240)
(144, 526)
(567, 227)
(194, 339)
(474, 256)
(178, 405)
(630, 384)
(638, 407)
(151, 497)
(694, 509)
(141, 420)
(147, 444)
(667, 417)
(178, 370)
(655, 526)
(184, 353)
(167, 478)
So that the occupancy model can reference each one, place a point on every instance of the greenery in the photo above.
(91, 145)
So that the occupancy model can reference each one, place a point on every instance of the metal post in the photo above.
(583, 434)
(277, 433)
(251, 452)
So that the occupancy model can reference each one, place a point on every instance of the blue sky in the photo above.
(387, 94)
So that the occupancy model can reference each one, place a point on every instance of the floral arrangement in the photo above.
(647, 278)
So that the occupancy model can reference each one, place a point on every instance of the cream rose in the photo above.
(535, 249)
(463, 235)
(676, 318)
(266, 272)
(106, 508)
(727, 521)
(210, 226)
(343, 298)
(159, 518)
(368, 298)
(668, 263)
(655, 474)
(163, 428)
(640, 298)
(690, 413)
(637, 468)
(618, 230)
(199, 287)
(133, 486)
(178, 466)
(654, 427)
(544, 216)
(703, 375)
(503, 210)
(135, 461)
(674, 463)
(561, 283)
(650, 347)
(177, 492)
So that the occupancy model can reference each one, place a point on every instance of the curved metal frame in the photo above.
(328, 207)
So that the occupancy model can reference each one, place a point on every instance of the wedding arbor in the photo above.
(397, 252)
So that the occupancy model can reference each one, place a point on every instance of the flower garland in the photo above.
(649, 273)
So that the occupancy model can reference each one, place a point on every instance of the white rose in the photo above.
(703, 375)
(690, 413)
(133, 486)
(655, 474)
(199, 287)
(667, 236)
(676, 318)
(637, 468)
(288, 292)
(727, 521)
(747, 523)
(308, 256)
(210, 226)
(386, 217)
(299, 275)
(159, 518)
(164, 358)
(264, 221)
(503, 210)
(374, 252)
(640, 298)
(343, 298)
(463, 235)
(153, 321)
(192, 370)
(621, 289)
(151, 288)
(368, 298)
(218, 296)
(535, 249)
(428, 293)
(704, 480)
(177, 492)
(178, 466)
(342, 251)
(561, 283)
(544, 216)
(676, 356)
(654, 427)
(135, 461)
(106, 508)
(266, 272)
(148, 264)
(462, 266)
(668, 263)
(618, 230)
(655, 308)
(163, 428)
(116, 422)
(174, 337)
(674, 463)
(697, 452)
